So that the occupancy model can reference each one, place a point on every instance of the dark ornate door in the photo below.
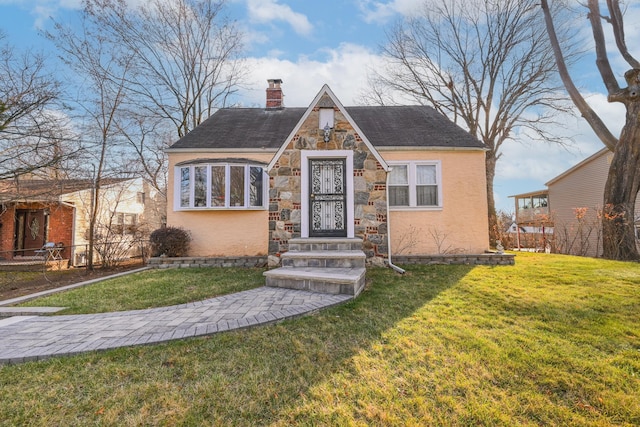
(31, 230)
(327, 198)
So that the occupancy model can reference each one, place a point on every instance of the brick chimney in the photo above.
(274, 94)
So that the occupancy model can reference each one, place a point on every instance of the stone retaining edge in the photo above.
(261, 261)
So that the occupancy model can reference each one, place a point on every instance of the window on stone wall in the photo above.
(415, 184)
(220, 186)
(326, 118)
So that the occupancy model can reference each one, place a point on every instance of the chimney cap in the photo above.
(274, 94)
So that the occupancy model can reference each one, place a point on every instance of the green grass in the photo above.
(152, 288)
(554, 340)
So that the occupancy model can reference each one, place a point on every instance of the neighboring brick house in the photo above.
(404, 179)
(36, 211)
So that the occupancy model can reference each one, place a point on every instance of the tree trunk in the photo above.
(490, 162)
(621, 190)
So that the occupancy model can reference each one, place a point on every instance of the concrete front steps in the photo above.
(327, 265)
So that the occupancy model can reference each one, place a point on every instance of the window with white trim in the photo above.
(326, 117)
(415, 184)
(220, 186)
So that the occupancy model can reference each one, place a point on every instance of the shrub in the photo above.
(170, 241)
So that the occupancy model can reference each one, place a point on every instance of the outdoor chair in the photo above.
(50, 251)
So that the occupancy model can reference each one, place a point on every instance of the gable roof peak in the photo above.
(326, 91)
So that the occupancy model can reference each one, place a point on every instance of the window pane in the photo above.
(184, 187)
(237, 186)
(426, 174)
(326, 118)
(399, 175)
(255, 186)
(200, 186)
(399, 196)
(427, 195)
(217, 185)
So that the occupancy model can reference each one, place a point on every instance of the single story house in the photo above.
(394, 179)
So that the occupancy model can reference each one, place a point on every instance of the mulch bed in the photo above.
(20, 284)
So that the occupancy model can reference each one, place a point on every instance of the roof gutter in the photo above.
(389, 262)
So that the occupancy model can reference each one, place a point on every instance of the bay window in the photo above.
(415, 184)
(220, 185)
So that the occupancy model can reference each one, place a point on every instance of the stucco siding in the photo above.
(220, 232)
(460, 225)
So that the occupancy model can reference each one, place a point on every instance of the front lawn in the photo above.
(153, 288)
(553, 340)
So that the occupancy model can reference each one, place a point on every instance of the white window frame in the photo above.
(412, 178)
(177, 199)
(326, 116)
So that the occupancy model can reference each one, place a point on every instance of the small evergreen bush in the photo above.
(170, 241)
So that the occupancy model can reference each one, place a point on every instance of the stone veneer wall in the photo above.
(370, 211)
(466, 259)
(194, 262)
(261, 261)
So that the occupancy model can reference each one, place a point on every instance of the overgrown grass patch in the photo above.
(553, 340)
(153, 288)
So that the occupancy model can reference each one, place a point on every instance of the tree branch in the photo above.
(618, 32)
(587, 112)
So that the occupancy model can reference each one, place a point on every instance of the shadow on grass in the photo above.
(250, 377)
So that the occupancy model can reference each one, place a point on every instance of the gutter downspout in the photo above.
(391, 264)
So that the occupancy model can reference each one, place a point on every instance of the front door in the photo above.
(327, 198)
(31, 231)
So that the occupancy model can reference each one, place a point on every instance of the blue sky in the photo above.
(308, 43)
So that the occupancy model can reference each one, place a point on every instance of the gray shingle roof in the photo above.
(243, 128)
(410, 125)
(384, 126)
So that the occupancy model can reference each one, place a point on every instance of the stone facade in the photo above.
(369, 185)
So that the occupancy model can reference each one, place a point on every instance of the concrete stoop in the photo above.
(327, 265)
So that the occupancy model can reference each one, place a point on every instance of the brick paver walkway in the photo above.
(25, 338)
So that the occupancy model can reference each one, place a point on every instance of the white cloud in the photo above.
(381, 12)
(42, 10)
(267, 11)
(343, 69)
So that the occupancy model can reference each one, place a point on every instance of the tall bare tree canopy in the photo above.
(177, 62)
(623, 181)
(484, 64)
(147, 76)
(32, 131)
(184, 57)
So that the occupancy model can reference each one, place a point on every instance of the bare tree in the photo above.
(186, 56)
(183, 62)
(156, 72)
(33, 137)
(623, 181)
(101, 95)
(484, 64)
